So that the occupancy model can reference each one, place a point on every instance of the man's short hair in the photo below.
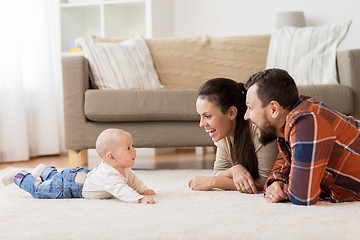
(275, 85)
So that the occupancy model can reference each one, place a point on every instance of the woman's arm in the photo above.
(224, 180)
(243, 180)
(226, 173)
(206, 183)
(226, 177)
(223, 176)
(229, 174)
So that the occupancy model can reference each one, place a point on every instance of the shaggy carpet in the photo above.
(179, 213)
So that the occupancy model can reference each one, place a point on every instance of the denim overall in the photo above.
(53, 184)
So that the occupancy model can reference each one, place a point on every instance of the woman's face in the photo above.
(214, 121)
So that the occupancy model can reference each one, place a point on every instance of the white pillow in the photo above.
(308, 53)
(124, 65)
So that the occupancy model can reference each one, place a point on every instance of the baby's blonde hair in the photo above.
(108, 140)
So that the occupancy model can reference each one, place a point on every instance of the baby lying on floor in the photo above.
(112, 178)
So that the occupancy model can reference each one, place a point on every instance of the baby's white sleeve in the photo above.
(135, 182)
(117, 187)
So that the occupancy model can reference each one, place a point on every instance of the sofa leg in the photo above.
(78, 158)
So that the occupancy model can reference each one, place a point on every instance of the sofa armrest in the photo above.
(348, 62)
(75, 71)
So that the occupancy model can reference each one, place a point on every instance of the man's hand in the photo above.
(201, 183)
(146, 200)
(276, 192)
(243, 180)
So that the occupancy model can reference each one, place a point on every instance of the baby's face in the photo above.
(125, 153)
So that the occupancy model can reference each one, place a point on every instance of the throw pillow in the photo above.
(124, 65)
(186, 63)
(308, 53)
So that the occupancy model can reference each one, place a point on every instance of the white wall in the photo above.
(220, 18)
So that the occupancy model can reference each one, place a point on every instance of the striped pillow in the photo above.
(124, 65)
(308, 53)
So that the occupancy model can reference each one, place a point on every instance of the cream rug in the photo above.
(180, 213)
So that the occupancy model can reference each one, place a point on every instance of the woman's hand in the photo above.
(201, 183)
(243, 180)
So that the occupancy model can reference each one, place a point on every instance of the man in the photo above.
(319, 148)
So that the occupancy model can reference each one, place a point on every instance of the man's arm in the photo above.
(277, 183)
(281, 168)
(311, 140)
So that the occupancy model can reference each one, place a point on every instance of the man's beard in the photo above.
(268, 133)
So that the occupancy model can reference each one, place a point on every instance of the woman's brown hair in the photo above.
(225, 93)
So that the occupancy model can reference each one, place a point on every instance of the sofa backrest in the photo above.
(186, 63)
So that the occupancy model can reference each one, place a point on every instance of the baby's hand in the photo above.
(146, 200)
(149, 192)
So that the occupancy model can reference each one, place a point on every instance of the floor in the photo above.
(183, 158)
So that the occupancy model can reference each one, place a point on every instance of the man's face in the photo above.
(258, 114)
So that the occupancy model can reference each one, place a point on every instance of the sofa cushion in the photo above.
(179, 105)
(140, 105)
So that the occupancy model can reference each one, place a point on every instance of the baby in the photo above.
(113, 178)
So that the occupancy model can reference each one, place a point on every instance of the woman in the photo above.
(242, 163)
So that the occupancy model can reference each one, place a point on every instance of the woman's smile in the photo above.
(211, 131)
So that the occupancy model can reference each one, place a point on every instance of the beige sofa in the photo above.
(167, 117)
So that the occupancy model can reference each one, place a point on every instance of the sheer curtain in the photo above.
(30, 80)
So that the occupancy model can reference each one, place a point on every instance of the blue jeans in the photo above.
(53, 184)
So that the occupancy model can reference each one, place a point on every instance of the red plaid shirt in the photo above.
(319, 156)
